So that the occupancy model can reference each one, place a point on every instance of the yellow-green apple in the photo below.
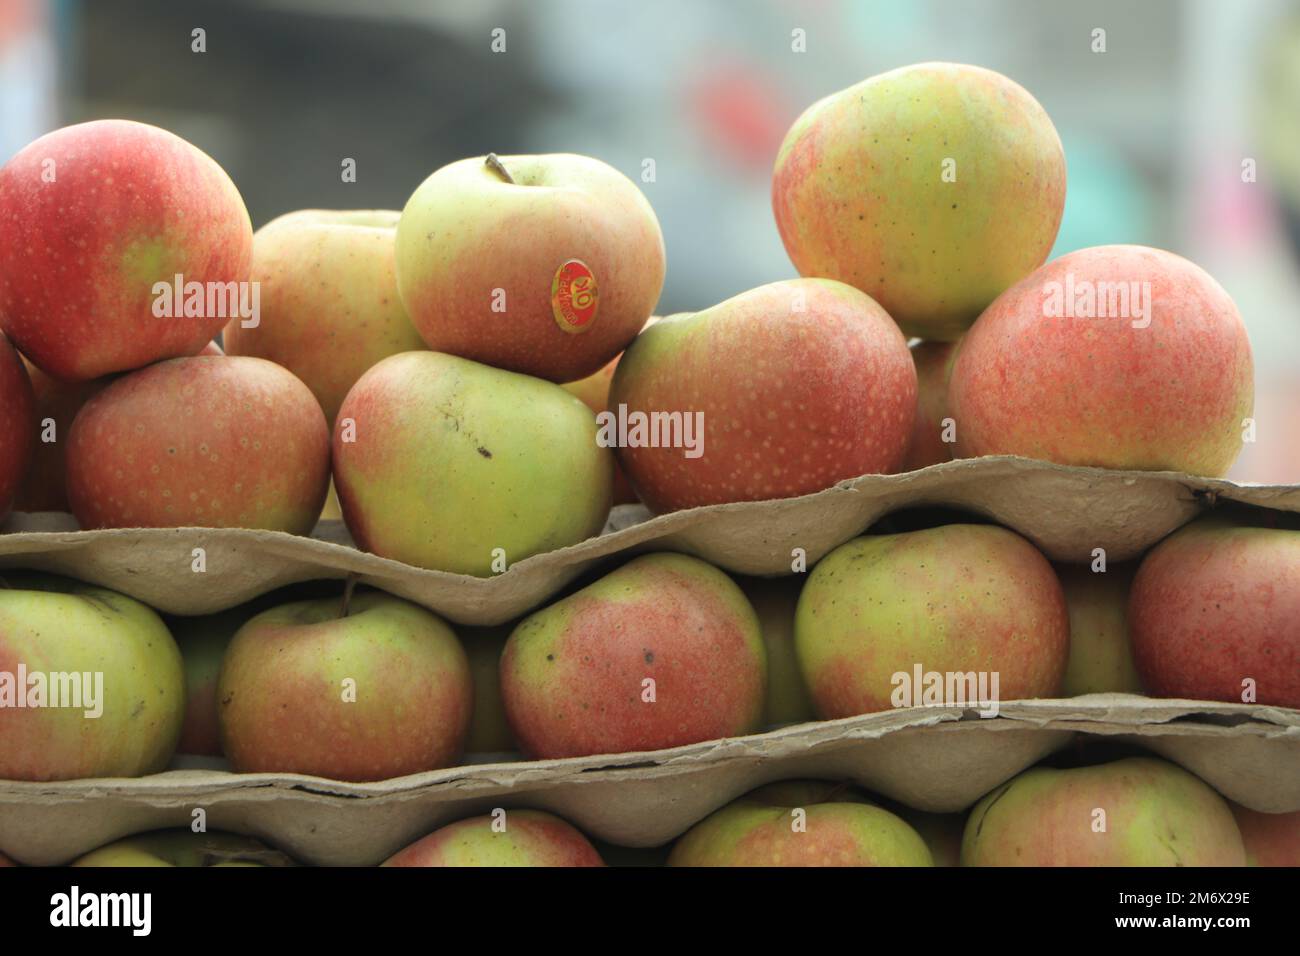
(931, 188)
(97, 220)
(366, 689)
(1214, 614)
(57, 404)
(505, 838)
(780, 391)
(329, 303)
(448, 464)
(1271, 839)
(594, 392)
(489, 731)
(1114, 356)
(774, 601)
(933, 366)
(184, 848)
(17, 424)
(547, 265)
(1101, 657)
(203, 641)
(664, 651)
(1132, 812)
(91, 683)
(959, 614)
(801, 823)
(205, 441)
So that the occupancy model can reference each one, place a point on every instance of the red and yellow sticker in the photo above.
(574, 297)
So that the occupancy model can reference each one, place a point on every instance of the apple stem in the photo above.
(495, 164)
(348, 588)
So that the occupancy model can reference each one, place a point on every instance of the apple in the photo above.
(801, 823)
(203, 641)
(444, 463)
(489, 731)
(1160, 380)
(17, 424)
(1101, 656)
(778, 392)
(1214, 614)
(184, 848)
(206, 441)
(1132, 812)
(1271, 839)
(92, 217)
(329, 303)
(547, 265)
(57, 404)
(774, 601)
(933, 366)
(931, 188)
(367, 688)
(975, 602)
(505, 838)
(109, 678)
(661, 652)
(594, 392)
(942, 833)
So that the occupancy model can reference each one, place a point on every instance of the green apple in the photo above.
(329, 303)
(547, 265)
(362, 690)
(489, 731)
(1137, 811)
(447, 464)
(931, 188)
(184, 848)
(114, 687)
(801, 823)
(1101, 657)
(505, 838)
(959, 614)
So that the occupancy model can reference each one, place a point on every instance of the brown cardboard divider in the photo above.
(1065, 511)
(935, 759)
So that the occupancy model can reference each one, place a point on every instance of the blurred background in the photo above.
(1180, 118)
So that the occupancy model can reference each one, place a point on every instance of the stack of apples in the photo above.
(481, 375)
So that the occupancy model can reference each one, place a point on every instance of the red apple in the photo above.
(1271, 839)
(206, 441)
(663, 651)
(1215, 611)
(91, 218)
(1116, 356)
(509, 838)
(377, 690)
(57, 404)
(781, 391)
(546, 265)
(17, 424)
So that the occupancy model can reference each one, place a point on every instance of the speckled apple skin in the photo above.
(860, 192)
(531, 838)
(802, 383)
(572, 673)
(17, 424)
(1171, 396)
(955, 598)
(839, 830)
(130, 205)
(329, 303)
(206, 441)
(466, 233)
(1157, 814)
(280, 694)
(1213, 605)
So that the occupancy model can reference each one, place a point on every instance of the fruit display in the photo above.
(765, 584)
